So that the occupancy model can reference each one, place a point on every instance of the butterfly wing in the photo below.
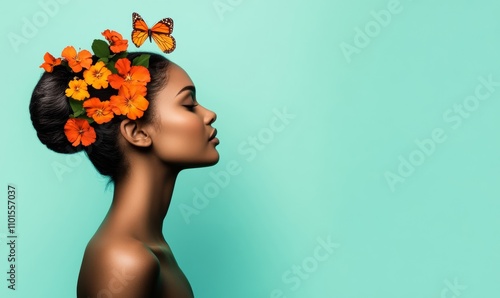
(161, 35)
(140, 30)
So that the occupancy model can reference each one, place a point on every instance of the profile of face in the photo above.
(181, 132)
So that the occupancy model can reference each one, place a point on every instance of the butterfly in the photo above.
(160, 33)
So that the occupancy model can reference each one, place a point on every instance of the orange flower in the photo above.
(97, 75)
(130, 75)
(98, 110)
(77, 89)
(116, 41)
(79, 131)
(77, 61)
(50, 62)
(130, 101)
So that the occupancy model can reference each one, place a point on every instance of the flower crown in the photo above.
(113, 69)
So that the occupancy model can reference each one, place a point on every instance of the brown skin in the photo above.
(128, 256)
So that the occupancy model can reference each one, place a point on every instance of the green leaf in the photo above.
(119, 55)
(104, 59)
(77, 107)
(89, 119)
(111, 66)
(142, 60)
(100, 48)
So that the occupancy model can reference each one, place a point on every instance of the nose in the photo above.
(210, 117)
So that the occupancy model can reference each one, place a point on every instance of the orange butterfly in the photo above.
(160, 32)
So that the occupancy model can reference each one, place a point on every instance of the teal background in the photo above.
(323, 175)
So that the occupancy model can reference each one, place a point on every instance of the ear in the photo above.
(135, 133)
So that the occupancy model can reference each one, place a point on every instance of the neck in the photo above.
(141, 201)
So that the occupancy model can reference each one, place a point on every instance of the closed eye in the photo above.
(190, 107)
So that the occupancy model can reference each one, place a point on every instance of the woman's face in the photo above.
(182, 128)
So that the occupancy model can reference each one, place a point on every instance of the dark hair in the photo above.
(50, 109)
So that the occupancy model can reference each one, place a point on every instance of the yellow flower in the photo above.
(77, 89)
(97, 75)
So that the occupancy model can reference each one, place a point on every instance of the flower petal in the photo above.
(49, 62)
(98, 110)
(79, 131)
(115, 81)
(69, 53)
(122, 65)
(116, 41)
(85, 58)
(140, 74)
(97, 75)
(77, 89)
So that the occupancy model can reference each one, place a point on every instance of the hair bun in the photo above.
(50, 109)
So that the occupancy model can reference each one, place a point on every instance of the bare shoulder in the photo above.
(118, 268)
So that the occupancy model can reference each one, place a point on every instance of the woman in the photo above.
(128, 255)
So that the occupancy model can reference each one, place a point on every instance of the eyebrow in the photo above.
(188, 87)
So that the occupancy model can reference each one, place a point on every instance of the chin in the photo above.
(215, 160)
(207, 162)
(212, 161)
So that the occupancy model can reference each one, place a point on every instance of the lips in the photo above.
(214, 133)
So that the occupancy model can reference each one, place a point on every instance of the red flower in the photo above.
(116, 41)
(50, 62)
(98, 110)
(79, 131)
(127, 74)
(130, 101)
(77, 61)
